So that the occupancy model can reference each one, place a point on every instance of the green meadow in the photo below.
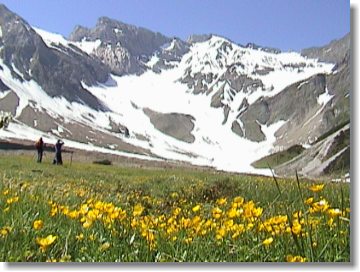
(87, 212)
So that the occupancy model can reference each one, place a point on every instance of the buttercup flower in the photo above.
(196, 208)
(268, 241)
(44, 243)
(38, 224)
(316, 188)
(292, 259)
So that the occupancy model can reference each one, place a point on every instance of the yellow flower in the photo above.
(38, 224)
(220, 233)
(297, 214)
(229, 223)
(238, 200)
(44, 243)
(176, 211)
(257, 212)
(296, 228)
(320, 206)
(232, 213)
(138, 210)
(221, 201)
(309, 200)
(66, 258)
(188, 240)
(292, 259)
(87, 224)
(174, 195)
(80, 237)
(316, 187)
(104, 246)
(268, 241)
(334, 212)
(54, 210)
(216, 212)
(93, 214)
(6, 192)
(12, 200)
(196, 208)
(73, 214)
(4, 231)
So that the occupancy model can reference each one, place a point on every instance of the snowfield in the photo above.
(215, 144)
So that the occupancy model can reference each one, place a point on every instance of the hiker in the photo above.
(39, 144)
(58, 158)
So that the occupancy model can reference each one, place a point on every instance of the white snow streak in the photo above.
(50, 38)
(324, 98)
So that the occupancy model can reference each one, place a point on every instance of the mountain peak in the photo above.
(195, 38)
(262, 48)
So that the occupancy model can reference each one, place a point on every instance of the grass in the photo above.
(96, 213)
(279, 157)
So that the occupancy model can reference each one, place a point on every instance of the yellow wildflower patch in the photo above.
(44, 243)
(316, 187)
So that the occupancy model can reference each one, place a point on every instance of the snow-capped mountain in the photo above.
(126, 90)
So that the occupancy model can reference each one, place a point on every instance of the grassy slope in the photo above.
(278, 157)
(75, 184)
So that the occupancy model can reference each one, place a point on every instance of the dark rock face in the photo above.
(9, 103)
(327, 157)
(198, 38)
(169, 53)
(175, 125)
(332, 154)
(336, 51)
(3, 87)
(124, 48)
(60, 71)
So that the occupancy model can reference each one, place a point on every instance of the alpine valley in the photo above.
(125, 90)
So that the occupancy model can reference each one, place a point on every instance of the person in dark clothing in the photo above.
(58, 157)
(40, 149)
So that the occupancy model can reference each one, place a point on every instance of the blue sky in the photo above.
(284, 24)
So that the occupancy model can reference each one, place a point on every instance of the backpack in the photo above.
(37, 144)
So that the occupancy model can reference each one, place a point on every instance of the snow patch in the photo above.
(302, 83)
(154, 59)
(324, 98)
(118, 31)
(50, 38)
(169, 47)
(328, 50)
(88, 46)
(4, 94)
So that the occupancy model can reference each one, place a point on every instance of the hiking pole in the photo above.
(71, 157)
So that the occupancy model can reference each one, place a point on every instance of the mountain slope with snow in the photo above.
(207, 102)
